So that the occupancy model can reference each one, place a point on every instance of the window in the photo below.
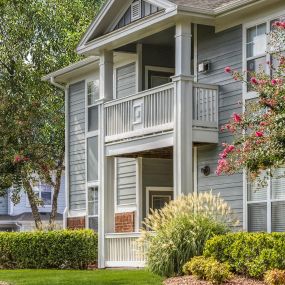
(92, 158)
(93, 208)
(93, 201)
(256, 43)
(44, 193)
(159, 201)
(92, 92)
(257, 54)
(266, 204)
(93, 119)
(157, 76)
(92, 109)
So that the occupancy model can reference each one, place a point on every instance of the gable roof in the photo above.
(207, 4)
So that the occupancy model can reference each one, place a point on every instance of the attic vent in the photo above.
(136, 10)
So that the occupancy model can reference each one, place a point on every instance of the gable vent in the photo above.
(136, 10)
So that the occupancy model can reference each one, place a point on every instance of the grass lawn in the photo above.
(74, 277)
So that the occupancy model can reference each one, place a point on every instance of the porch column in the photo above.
(182, 149)
(106, 164)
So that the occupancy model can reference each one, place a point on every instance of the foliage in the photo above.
(53, 249)
(250, 254)
(36, 37)
(259, 132)
(208, 269)
(181, 229)
(275, 277)
(76, 277)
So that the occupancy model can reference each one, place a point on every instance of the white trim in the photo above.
(195, 169)
(195, 52)
(126, 208)
(70, 68)
(155, 189)
(138, 193)
(156, 68)
(125, 264)
(139, 67)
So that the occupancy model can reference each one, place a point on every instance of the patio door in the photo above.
(158, 197)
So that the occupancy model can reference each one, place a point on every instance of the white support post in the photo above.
(182, 149)
(106, 165)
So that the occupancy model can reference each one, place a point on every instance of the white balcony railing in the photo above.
(147, 112)
(122, 250)
(205, 105)
(152, 111)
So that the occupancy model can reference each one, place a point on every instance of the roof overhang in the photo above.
(225, 16)
(66, 74)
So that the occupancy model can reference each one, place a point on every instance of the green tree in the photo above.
(36, 37)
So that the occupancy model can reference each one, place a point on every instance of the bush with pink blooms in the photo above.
(259, 132)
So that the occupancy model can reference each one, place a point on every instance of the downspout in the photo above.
(66, 172)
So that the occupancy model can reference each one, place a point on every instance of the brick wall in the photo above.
(76, 223)
(125, 222)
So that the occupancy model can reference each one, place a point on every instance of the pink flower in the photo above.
(263, 124)
(228, 69)
(273, 81)
(17, 158)
(231, 148)
(236, 117)
(259, 134)
(223, 165)
(254, 81)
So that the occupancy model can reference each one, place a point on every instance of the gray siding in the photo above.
(126, 80)
(77, 192)
(4, 205)
(161, 56)
(221, 49)
(126, 181)
(156, 173)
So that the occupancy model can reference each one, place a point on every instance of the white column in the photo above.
(182, 149)
(106, 164)
(106, 75)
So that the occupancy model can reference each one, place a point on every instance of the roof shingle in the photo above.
(205, 4)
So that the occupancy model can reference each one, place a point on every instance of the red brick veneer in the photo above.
(76, 223)
(125, 222)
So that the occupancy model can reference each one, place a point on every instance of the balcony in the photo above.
(152, 112)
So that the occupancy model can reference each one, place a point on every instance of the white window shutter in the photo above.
(136, 10)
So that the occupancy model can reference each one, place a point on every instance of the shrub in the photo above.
(181, 229)
(249, 254)
(208, 269)
(275, 277)
(196, 266)
(53, 249)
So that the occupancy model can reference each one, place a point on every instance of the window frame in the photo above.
(91, 134)
(248, 95)
(39, 185)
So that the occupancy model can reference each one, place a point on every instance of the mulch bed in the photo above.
(4, 283)
(190, 280)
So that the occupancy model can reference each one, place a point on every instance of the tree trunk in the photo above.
(56, 190)
(35, 211)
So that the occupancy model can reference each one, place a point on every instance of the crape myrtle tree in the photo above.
(36, 37)
(259, 132)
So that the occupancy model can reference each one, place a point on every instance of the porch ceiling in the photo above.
(166, 153)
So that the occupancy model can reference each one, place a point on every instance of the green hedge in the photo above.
(250, 254)
(53, 249)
